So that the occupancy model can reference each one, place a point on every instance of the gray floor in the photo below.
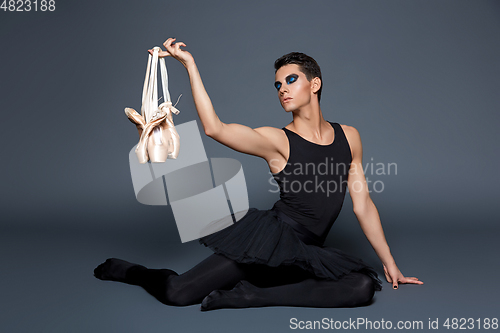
(48, 286)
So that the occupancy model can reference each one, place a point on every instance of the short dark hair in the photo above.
(307, 65)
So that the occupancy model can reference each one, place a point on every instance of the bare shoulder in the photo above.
(354, 139)
(349, 130)
(271, 133)
(275, 135)
(278, 157)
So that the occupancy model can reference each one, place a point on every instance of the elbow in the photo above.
(208, 131)
(212, 131)
(360, 208)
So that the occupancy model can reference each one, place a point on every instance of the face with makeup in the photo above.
(294, 90)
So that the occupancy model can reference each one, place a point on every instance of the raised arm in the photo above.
(258, 141)
(367, 213)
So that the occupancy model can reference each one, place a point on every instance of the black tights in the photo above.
(218, 282)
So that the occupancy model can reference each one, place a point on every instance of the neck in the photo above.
(309, 121)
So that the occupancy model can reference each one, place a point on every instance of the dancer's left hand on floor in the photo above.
(394, 276)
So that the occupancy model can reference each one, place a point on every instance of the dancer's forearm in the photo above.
(369, 221)
(209, 119)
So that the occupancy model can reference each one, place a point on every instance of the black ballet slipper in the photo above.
(243, 295)
(118, 270)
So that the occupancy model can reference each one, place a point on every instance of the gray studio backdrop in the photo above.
(418, 79)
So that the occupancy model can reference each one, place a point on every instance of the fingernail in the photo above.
(395, 287)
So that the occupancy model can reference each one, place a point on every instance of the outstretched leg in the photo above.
(214, 273)
(354, 289)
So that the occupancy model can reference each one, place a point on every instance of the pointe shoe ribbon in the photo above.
(168, 107)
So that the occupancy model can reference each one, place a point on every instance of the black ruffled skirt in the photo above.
(262, 237)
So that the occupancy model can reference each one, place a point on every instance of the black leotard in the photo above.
(314, 181)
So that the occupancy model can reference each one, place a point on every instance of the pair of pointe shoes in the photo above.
(158, 138)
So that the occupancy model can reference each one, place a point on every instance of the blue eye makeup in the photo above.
(289, 80)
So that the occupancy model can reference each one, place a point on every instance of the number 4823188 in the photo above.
(28, 6)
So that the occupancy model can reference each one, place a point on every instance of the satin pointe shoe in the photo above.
(147, 139)
(136, 119)
(164, 142)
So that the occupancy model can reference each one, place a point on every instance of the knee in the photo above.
(364, 290)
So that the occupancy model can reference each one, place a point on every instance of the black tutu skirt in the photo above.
(262, 237)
